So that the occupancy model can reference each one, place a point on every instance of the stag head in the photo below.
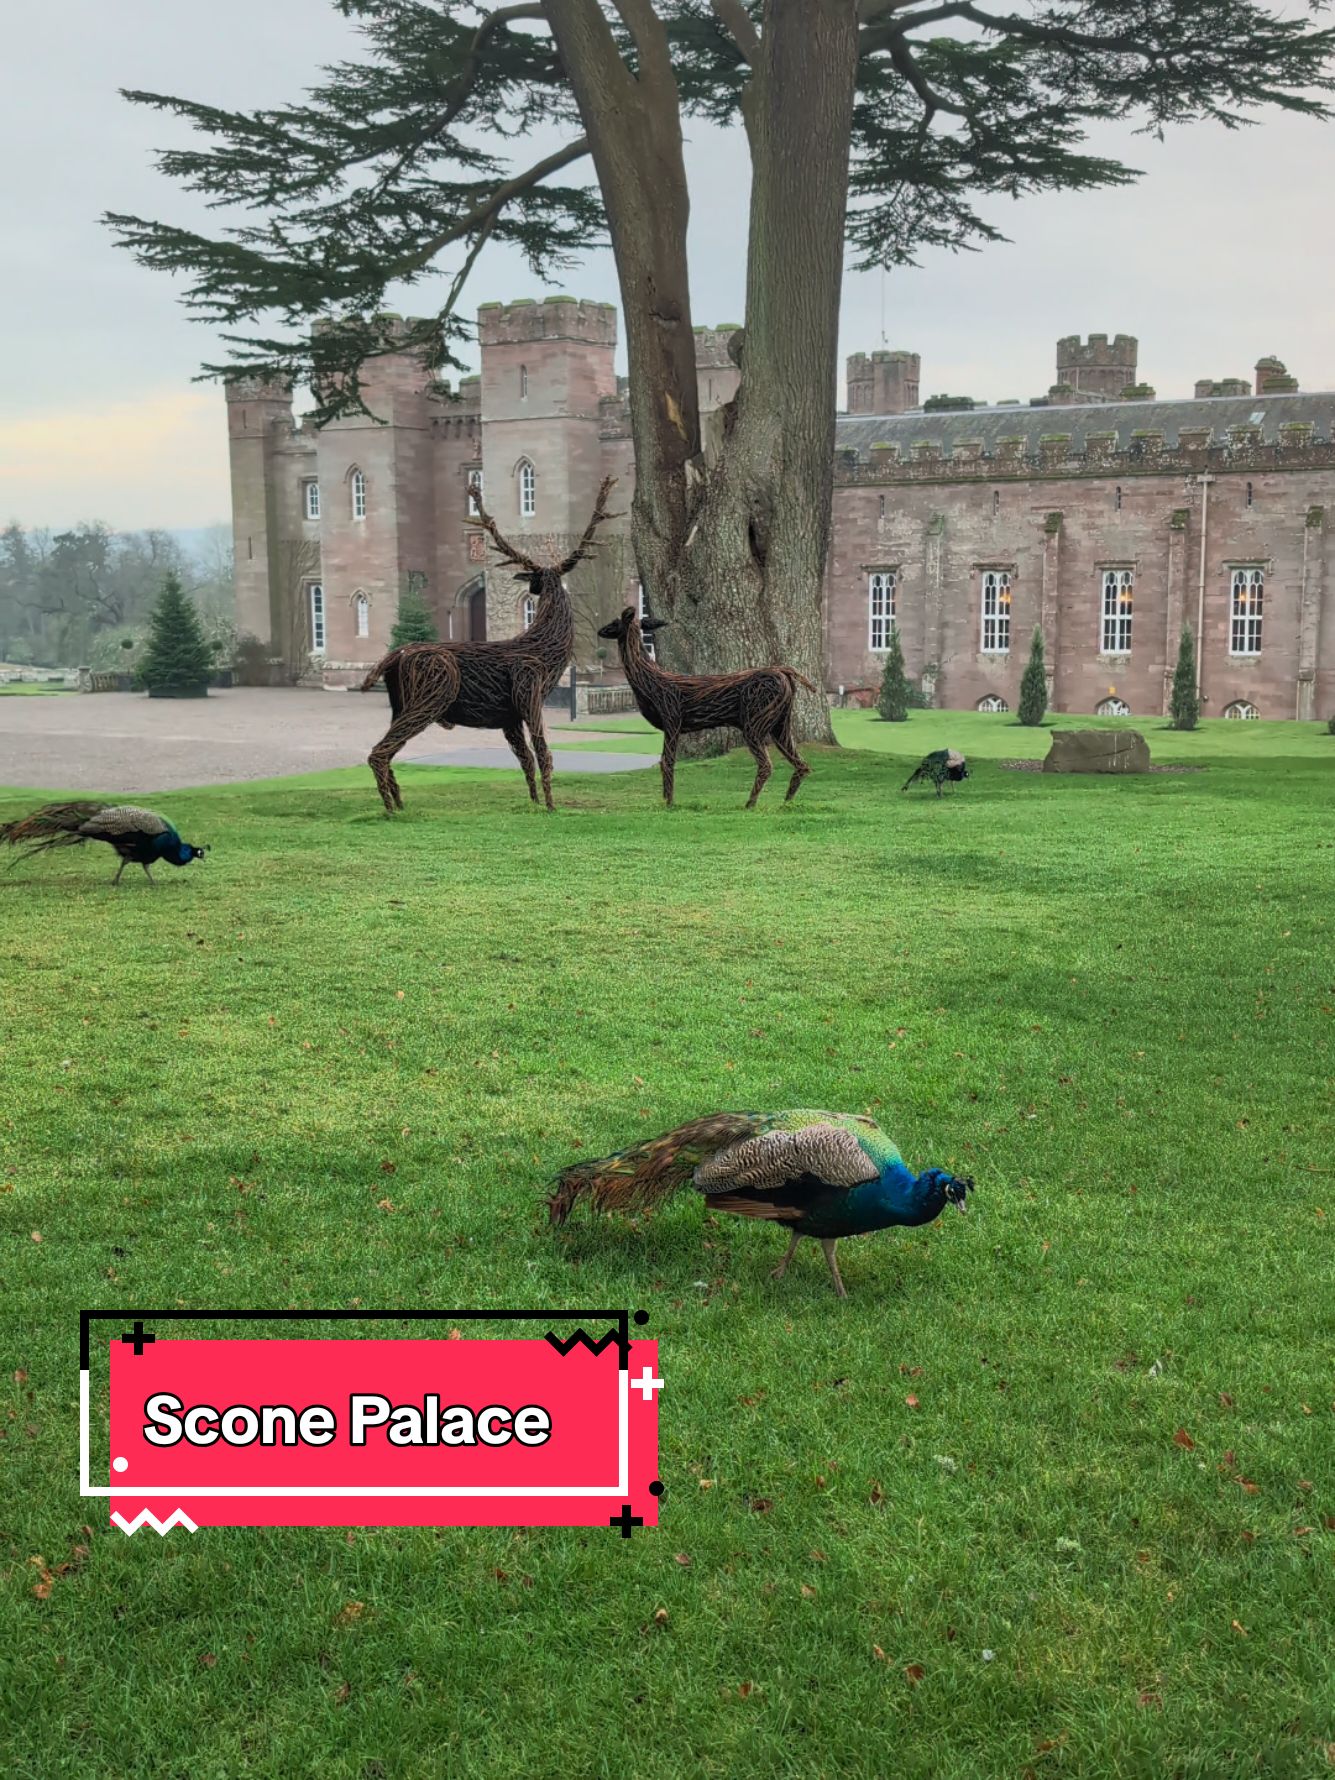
(544, 574)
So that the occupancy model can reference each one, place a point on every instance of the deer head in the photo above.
(545, 575)
(622, 627)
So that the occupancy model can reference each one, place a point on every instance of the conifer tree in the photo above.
(1185, 704)
(414, 623)
(1034, 685)
(893, 703)
(177, 658)
(876, 131)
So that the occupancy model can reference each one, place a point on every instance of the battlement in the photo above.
(1223, 386)
(256, 389)
(711, 346)
(551, 318)
(883, 382)
(1097, 367)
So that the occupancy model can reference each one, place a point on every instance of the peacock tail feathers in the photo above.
(113, 820)
(646, 1173)
(53, 825)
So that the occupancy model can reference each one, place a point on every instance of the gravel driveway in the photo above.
(125, 743)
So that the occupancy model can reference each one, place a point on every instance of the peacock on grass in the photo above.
(140, 837)
(940, 766)
(824, 1175)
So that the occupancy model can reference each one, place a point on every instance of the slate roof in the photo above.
(861, 431)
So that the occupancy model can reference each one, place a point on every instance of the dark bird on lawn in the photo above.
(139, 836)
(821, 1174)
(943, 764)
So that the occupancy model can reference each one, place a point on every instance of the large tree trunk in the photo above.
(730, 541)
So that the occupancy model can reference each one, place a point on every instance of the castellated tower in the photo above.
(883, 382)
(259, 419)
(1099, 370)
(377, 506)
(546, 368)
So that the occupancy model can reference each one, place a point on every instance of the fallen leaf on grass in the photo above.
(914, 1673)
(746, 1689)
(809, 1593)
(1240, 1628)
(1184, 1440)
(911, 1401)
(207, 1660)
(350, 1614)
(684, 1559)
(1150, 1699)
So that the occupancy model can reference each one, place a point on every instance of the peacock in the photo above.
(141, 837)
(825, 1175)
(939, 766)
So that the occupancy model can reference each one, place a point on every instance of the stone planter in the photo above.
(1097, 751)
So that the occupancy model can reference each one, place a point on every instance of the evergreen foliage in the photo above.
(177, 658)
(1034, 685)
(896, 693)
(405, 153)
(414, 623)
(1185, 704)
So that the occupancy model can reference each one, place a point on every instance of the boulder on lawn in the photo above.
(1097, 751)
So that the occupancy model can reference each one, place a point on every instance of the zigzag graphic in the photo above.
(146, 1517)
(581, 1338)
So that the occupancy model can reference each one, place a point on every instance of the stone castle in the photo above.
(1098, 513)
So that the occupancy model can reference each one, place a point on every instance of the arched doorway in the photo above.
(468, 622)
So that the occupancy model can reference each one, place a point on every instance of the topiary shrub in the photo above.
(1184, 707)
(414, 623)
(893, 704)
(1034, 685)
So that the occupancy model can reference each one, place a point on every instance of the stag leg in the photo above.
(832, 1262)
(763, 768)
(668, 767)
(783, 741)
(400, 732)
(782, 1268)
(514, 734)
(529, 701)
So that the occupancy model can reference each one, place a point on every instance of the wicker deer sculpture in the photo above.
(759, 702)
(500, 685)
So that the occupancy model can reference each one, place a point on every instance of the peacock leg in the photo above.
(116, 880)
(828, 1244)
(148, 874)
(782, 1268)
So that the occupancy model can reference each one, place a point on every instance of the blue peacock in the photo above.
(823, 1175)
(140, 837)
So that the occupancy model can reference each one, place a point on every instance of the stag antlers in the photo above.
(508, 553)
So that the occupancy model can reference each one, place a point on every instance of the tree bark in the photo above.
(730, 538)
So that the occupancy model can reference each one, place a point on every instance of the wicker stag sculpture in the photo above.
(500, 685)
(759, 702)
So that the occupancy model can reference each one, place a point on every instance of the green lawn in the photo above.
(1101, 1527)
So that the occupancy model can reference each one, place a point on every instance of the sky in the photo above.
(1219, 255)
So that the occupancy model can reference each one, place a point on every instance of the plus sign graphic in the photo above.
(646, 1384)
(137, 1339)
(625, 1520)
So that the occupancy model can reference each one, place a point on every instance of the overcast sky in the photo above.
(1221, 253)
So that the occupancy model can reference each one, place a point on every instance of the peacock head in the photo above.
(954, 1190)
(185, 853)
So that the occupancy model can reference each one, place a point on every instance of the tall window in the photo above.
(1245, 631)
(528, 489)
(311, 490)
(474, 493)
(529, 610)
(317, 618)
(1118, 590)
(358, 495)
(881, 609)
(1117, 497)
(996, 611)
(523, 383)
(361, 611)
(648, 642)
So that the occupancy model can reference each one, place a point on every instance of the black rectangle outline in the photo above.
(620, 1318)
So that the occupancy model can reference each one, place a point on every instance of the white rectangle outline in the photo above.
(188, 1491)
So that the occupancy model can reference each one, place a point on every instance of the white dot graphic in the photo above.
(120, 1464)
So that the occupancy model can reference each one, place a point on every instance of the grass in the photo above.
(1110, 1000)
(28, 689)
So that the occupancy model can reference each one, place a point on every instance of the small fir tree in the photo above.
(893, 703)
(414, 623)
(1185, 705)
(177, 659)
(1034, 686)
